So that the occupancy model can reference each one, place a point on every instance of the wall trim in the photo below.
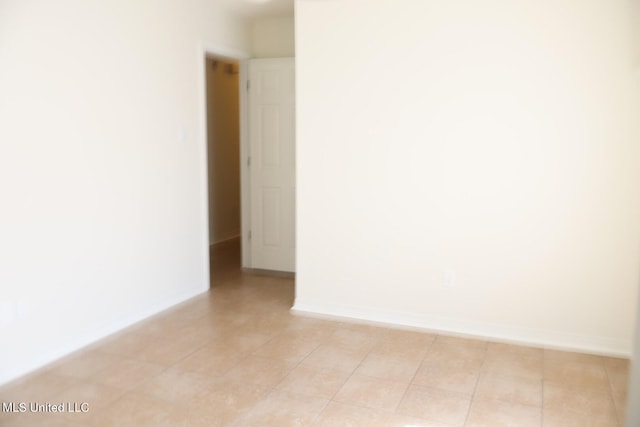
(603, 346)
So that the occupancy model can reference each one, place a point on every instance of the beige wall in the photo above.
(102, 166)
(223, 150)
(492, 141)
(273, 37)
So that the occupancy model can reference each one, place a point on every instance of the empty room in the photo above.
(429, 212)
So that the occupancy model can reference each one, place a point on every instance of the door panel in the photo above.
(272, 170)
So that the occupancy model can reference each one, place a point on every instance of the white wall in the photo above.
(223, 122)
(273, 37)
(495, 142)
(103, 217)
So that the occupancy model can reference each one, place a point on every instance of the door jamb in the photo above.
(245, 207)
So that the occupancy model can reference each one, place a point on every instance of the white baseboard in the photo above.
(532, 337)
(40, 361)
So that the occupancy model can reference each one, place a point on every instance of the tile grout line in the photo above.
(473, 394)
(611, 392)
(404, 395)
(544, 381)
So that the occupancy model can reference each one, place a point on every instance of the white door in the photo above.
(272, 163)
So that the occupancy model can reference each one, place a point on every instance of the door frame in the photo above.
(242, 58)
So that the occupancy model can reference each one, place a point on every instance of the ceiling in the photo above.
(260, 8)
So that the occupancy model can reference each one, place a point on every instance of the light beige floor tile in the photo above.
(209, 360)
(571, 418)
(42, 387)
(267, 325)
(167, 324)
(390, 366)
(84, 364)
(510, 389)
(343, 415)
(164, 347)
(185, 313)
(559, 357)
(172, 387)
(127, 374)
(403, 343)
(620, 403)
(317, 330)
(242, 340)
(370, 329)
(283, 409)
(404, 421)
(447, 348)
(212, 414)
(260, 371)
(582, 374)
(224, 404)
(513, 364)
(435, 405)
(463, 344)
(327, 356)
(164, 352)
(237, 396)
(204, 328)
(193, 337)
(575, 406)
(37, 420)
(125, 343)
(616, 363)
(456, 374)
(491, 413)
(371, 392)
(495, 349)
(514, 360)
(362, 339)
(94, 394)
(8, 416)
(314, 381)
(220, 367)
(618, 375)
(134, 410)
(293, 349)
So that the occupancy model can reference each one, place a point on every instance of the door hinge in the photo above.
(248, 161)
(249, 234)
(248, 84)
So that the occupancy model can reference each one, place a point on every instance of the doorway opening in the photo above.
(222, 78)
(250, 210)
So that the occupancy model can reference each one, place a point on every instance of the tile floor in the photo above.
(236, 357)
